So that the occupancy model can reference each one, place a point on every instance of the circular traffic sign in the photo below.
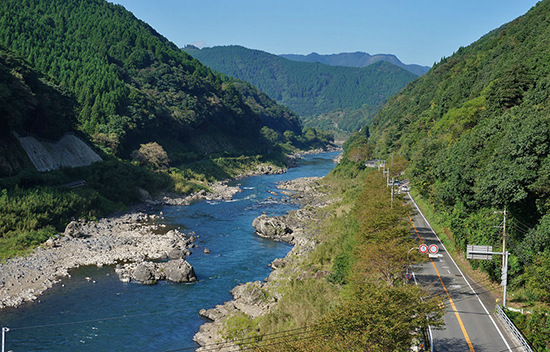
(423, 248)
(408, 276)
(433, 249)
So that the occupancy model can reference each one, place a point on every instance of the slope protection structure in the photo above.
(70, 151)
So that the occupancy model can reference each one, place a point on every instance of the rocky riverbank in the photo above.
(132, 238)
(135, 242)
(255, 299)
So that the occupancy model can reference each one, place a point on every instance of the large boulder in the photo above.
(144, 273)
(74, 229)
(179, 270)
(176, 253)
(272, 227)
(149, 273)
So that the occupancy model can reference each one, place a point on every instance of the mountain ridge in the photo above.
(356, 59)
(310, 89)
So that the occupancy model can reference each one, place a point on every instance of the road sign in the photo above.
(423, 248)
(433, 249)
(479, 252)
(408, 276)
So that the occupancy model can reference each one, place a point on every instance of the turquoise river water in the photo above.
(105, 314)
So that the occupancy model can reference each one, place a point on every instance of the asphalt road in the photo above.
(469, 324)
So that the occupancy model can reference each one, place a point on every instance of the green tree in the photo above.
(152, 154)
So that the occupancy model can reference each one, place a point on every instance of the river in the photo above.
(94, 311)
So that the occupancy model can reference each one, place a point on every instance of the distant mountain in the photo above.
(311, 89)
(356, 59)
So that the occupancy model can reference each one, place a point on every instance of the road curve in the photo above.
(469, 324)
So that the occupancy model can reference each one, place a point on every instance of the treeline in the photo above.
(309, 89)
(477, 131)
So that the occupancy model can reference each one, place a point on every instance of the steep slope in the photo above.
(131, 85)
(356, 59)
(29, 104)
(477, 130)
(310, 89)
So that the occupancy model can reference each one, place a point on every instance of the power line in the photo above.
(97, 320)
(522, 226)
(264, 338)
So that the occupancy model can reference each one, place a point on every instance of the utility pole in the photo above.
(504, 231)
(391, 204)
(4, 331)
(504, 270)
(504, 278)
(486, 253)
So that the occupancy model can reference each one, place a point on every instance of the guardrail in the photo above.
(502, 315)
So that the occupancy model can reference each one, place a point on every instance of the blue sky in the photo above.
(417, 31)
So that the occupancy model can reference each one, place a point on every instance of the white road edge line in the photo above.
(462, 274)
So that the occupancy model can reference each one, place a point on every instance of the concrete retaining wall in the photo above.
(70, 151)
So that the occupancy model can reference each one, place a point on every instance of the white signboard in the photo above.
(479, 252)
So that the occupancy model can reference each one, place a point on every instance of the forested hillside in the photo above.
(131, 85)
(161, 120)
(477, 131)
(311, 89)
(356, 59)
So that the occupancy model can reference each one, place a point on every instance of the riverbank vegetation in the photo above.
(350, 293)
(35, 206)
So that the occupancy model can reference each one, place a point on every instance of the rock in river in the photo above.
(179, 270)
(273, 227)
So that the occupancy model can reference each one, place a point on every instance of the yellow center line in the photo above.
(449, 296)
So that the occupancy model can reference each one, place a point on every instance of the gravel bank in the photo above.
(135, 238)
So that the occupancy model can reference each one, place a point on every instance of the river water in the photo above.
(94, 311)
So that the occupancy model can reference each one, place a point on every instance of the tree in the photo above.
(153, 155)
(269, 135)
(381, 318)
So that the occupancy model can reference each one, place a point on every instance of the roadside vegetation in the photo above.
(350, 293)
